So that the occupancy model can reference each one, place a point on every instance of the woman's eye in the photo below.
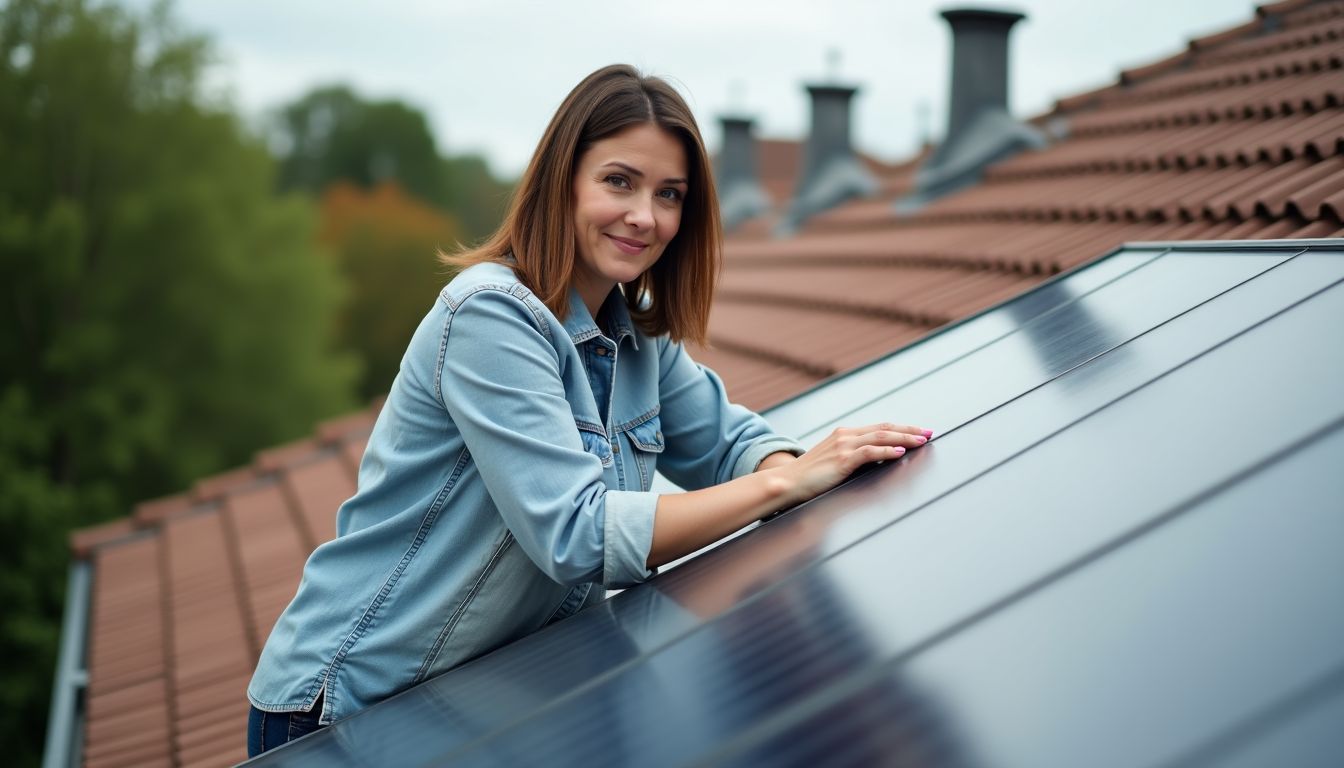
(672, 194)
(617, 180)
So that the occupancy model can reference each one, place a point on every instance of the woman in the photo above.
(505, 483)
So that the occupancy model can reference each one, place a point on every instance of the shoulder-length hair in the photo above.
(537, 238)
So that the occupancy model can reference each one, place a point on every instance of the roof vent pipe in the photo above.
(980, 130)
(832, 173)
(741, 196)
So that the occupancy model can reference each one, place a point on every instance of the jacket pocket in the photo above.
(595, 442)
(648, 437)
(647, 441)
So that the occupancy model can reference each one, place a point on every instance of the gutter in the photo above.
(65, 723)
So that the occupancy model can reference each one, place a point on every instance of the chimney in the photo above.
(832, 173)
(740, 194)
(980, 130)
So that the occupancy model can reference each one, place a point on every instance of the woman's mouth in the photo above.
(626, 245)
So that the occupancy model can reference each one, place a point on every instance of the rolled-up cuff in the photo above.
(757, 451)
(627, 537)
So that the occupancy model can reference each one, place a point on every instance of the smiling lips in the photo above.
(626, 245)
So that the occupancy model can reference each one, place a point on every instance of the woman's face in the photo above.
(628, 193)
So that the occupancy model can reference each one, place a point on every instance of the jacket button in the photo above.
(601, 351)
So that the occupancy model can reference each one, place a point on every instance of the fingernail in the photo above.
(921, 440)
(927, 433)
(899, 450)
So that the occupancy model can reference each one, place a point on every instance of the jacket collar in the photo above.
(581, 326)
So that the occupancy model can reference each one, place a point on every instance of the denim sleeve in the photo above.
(500, 381)
(709, 440)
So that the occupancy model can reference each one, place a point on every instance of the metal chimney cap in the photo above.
(953, 15)
(831, 89)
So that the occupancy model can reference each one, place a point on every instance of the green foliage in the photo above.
(385, 243)
(166, 314)
(333, 135)
(474, 196)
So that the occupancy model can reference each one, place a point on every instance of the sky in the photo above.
(490, 73)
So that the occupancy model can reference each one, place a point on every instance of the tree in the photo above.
(385, 242)
(334, 135)
(167, 315)
(473, 195)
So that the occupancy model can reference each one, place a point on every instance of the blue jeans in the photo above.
(268, 730)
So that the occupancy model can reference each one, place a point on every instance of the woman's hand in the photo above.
(845, 450)
(685, 522)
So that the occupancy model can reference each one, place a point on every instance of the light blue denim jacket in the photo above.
(506, 482)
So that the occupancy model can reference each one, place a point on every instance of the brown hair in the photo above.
(672, 296)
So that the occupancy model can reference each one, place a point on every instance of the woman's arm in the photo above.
(778, 459)
(685, 522)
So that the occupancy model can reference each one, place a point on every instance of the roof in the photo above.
(780, 161)
(1100, 559)
(184, 591)
(1239, 136)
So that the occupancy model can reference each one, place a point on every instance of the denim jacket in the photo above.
(505, 483)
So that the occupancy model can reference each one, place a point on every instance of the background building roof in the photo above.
(1239, 136)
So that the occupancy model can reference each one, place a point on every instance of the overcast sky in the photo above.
(490, 73)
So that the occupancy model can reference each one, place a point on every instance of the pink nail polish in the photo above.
(927, 433)
(922, 440)
(899, 450)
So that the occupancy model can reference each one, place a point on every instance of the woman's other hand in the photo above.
(846, 449)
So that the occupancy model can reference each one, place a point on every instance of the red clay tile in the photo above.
(215, 486)
(318, 490)
(352, 452)
(276, 459)
(271, 550)
(148, 513)
(85, 540)
(1321, 198)
(1313, 230)
(354, 424)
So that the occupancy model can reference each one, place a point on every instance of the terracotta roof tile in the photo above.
(318, 489)
(1240, 135)
(85, 540)
(148, 513)
(275, 459)
(211, 488)
(126, 658)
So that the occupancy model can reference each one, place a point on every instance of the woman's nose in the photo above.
(640, 214)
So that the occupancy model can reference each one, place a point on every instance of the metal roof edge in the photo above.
(1251, 245)
(65, 733)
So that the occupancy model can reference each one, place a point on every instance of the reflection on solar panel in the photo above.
(1121, 548)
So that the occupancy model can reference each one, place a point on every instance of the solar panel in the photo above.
(1121, 548)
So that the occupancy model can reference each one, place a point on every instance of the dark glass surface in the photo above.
(708, 641)
(1169, 649)
(1305, 731)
